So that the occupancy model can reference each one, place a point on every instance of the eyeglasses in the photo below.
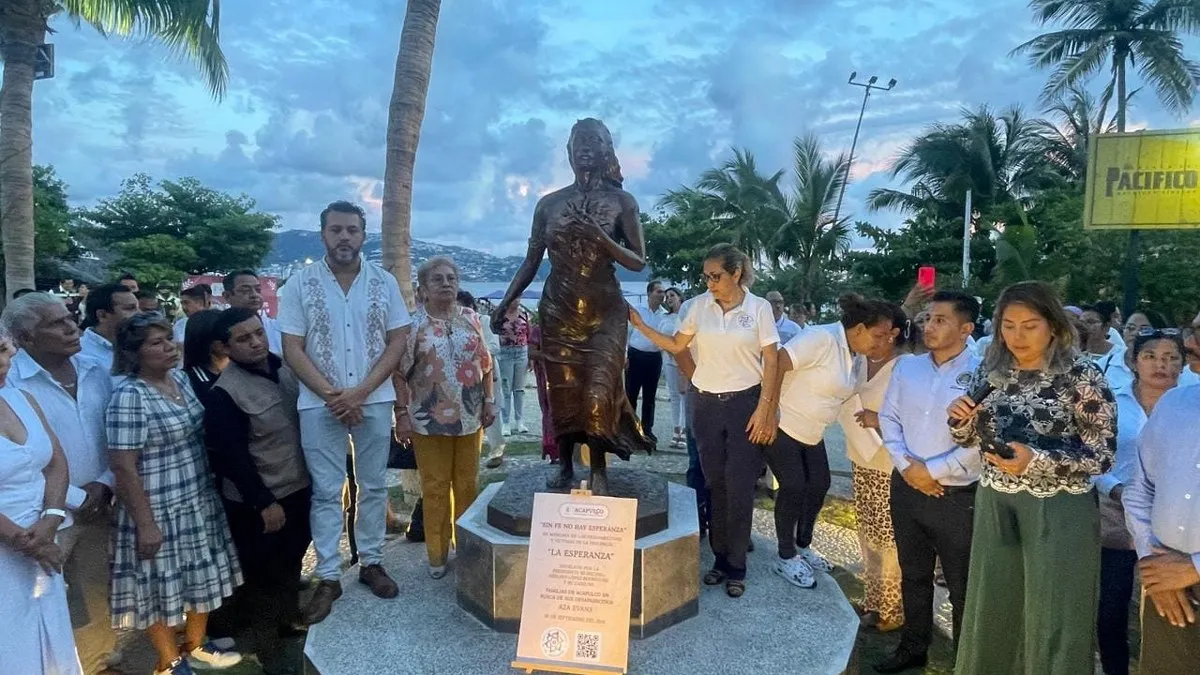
(1150, 331)
(714, 277)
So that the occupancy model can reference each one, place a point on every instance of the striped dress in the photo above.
(196, 566)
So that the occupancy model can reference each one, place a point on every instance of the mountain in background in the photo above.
(292, 247)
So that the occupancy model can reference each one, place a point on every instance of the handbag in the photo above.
(401, 455)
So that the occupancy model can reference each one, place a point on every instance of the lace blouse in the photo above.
(1068, 419)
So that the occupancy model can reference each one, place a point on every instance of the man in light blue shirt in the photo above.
(1162, 510)
(933, 487)
(786, 328)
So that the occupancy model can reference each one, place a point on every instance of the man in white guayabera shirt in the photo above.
(344, 327)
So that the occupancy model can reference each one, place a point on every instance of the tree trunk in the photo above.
(405, 114)
(22, 28)
(1130, 281)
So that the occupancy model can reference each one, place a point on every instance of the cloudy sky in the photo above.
(677, 81)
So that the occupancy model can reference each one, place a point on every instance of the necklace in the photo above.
(171, 393)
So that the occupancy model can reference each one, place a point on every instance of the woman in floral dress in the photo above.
(173, 556)
(447, 369)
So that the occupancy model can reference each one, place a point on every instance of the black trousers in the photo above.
(641, 377)
(271, 565)
(928, 528)
(803, 474)
(1167, 650)
(1112, 616)
(731, 465)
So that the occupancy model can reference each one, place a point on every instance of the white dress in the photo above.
(36, 638)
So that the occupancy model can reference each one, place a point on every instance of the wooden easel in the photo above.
(529, 668)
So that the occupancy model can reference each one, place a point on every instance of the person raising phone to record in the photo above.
(1035, 557)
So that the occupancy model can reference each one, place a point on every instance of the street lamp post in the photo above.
(868, 87)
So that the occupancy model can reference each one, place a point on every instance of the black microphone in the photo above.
(982, 391)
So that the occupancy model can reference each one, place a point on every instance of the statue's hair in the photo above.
(612, 172)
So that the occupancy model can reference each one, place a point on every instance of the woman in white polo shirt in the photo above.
(732, 332)
(816, 368)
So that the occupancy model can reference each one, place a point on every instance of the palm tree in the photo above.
(1123, 34)
(405, 114)
(739, 201)
(808, 235)
(994, 156)
(1076, 118)
(189, 28)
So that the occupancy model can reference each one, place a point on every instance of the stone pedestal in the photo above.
(490, 567)
(511, 507)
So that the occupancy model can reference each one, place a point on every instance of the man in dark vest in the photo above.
(253, 437)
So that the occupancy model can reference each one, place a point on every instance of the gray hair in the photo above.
(22, 315)
(433, 263)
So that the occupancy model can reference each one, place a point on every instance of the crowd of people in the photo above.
(1038, 462)
(169, 476)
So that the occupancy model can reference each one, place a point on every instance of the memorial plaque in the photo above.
(578, 581)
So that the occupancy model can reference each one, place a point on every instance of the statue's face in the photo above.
(590, 147)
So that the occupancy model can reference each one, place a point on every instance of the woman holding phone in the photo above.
(1047, 423)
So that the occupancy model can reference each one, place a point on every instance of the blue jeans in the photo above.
(513, 363)
(326, 441)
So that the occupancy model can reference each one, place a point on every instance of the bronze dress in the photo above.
(584, 326)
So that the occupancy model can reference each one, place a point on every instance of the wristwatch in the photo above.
(54, 512)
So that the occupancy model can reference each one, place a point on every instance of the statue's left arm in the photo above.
(632, 256)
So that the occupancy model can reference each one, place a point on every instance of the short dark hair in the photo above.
(1106, 309)
(223, 327)
(146, 295)
(128, 276)
(197, 292)
(230, 279)
(965, 306)
(466, 299)
(343, 206)
(654, 283)
(101, 299)
(198, 338)
(858, 310)
(23, 291)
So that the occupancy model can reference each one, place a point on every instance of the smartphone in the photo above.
(926, 276)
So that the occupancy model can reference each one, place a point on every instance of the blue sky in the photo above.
(677, 81)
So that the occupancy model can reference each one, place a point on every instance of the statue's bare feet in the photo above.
(561, 479)
(599, 482)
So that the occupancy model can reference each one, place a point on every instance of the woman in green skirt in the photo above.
(1047, 427)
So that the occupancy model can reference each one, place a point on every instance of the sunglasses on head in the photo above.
(1150, 331)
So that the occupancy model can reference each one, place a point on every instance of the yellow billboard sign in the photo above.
(1144, 180)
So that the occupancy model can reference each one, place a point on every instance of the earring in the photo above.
(891, 339)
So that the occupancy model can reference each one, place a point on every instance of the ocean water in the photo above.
(635, 291)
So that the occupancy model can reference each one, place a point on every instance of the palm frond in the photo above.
(188, 28)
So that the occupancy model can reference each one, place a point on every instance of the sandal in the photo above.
(714, 577)
(735, 588)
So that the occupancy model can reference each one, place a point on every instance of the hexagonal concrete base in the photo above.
(666, 580)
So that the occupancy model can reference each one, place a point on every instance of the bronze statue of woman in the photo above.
(586, 228)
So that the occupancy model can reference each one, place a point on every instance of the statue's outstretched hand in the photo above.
(634, 317)
(498, 318)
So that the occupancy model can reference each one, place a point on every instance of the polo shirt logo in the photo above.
(745, 321)
(963, 379)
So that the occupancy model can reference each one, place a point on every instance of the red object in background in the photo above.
(270, 288)
(926, 276)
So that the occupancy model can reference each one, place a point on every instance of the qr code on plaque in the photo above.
(587, 646)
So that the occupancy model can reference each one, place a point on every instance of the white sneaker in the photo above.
(521, 428)
(795, 571)
(437, 572)
(815, 560)
(504, 430)
(208, 655)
